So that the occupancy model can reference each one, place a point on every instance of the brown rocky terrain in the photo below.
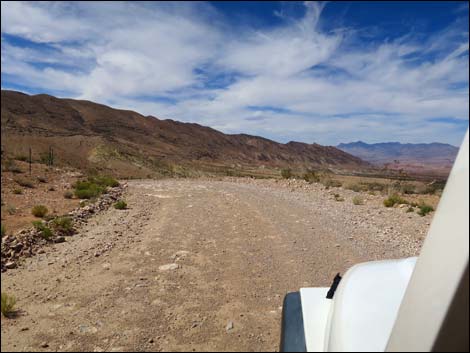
(86, 135)
(196, 264)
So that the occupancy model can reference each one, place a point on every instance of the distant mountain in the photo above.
(87, 135)
(425, 157)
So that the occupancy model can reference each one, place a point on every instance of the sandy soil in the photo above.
(238, 246)
(16, 208)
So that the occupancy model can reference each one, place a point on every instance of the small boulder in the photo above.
(9, 265)
(169, 267)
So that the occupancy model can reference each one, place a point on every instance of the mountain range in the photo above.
(88, 135)
(421, 157)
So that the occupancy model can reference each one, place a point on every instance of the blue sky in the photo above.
(307, 71)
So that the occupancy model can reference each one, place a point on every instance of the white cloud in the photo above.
(320, 86)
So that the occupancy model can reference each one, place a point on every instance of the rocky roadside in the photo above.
(370, 222)
(29, 242)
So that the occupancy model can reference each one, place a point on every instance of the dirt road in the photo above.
(239, 247)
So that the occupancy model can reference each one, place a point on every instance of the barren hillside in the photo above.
(84, 134)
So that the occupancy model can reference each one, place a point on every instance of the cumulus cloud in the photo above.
(293, 81)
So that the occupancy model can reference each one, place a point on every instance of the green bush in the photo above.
(8, 304)
(4, 230)
(358, 200)
(393, 200)
(87, 189)
(17, 191)
(286, 173)
(120, 205)
(39, 211)
(424, 209)
(63, 225)
(45, 231)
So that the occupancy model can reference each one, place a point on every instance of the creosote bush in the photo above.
(63, 225)
(39, 211)
(120, 205)
(358, 200)
(395, 199)
(8, 304)
(424, 209)
(93, 187)
(44, 230)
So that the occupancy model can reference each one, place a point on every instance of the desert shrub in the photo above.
(24, 183)
(63, 225)
(44, 230)
(17, 191)
(4, 230)
(39, 211)
(424, 209)
(358, 200)
(8, 304)
(393, 200)
(120, 205)
(87, 189)
(68, 194)
(338, 197)
(42, 179)
(370, 192)
(311, 177)
(410, 209)
(286, 173)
